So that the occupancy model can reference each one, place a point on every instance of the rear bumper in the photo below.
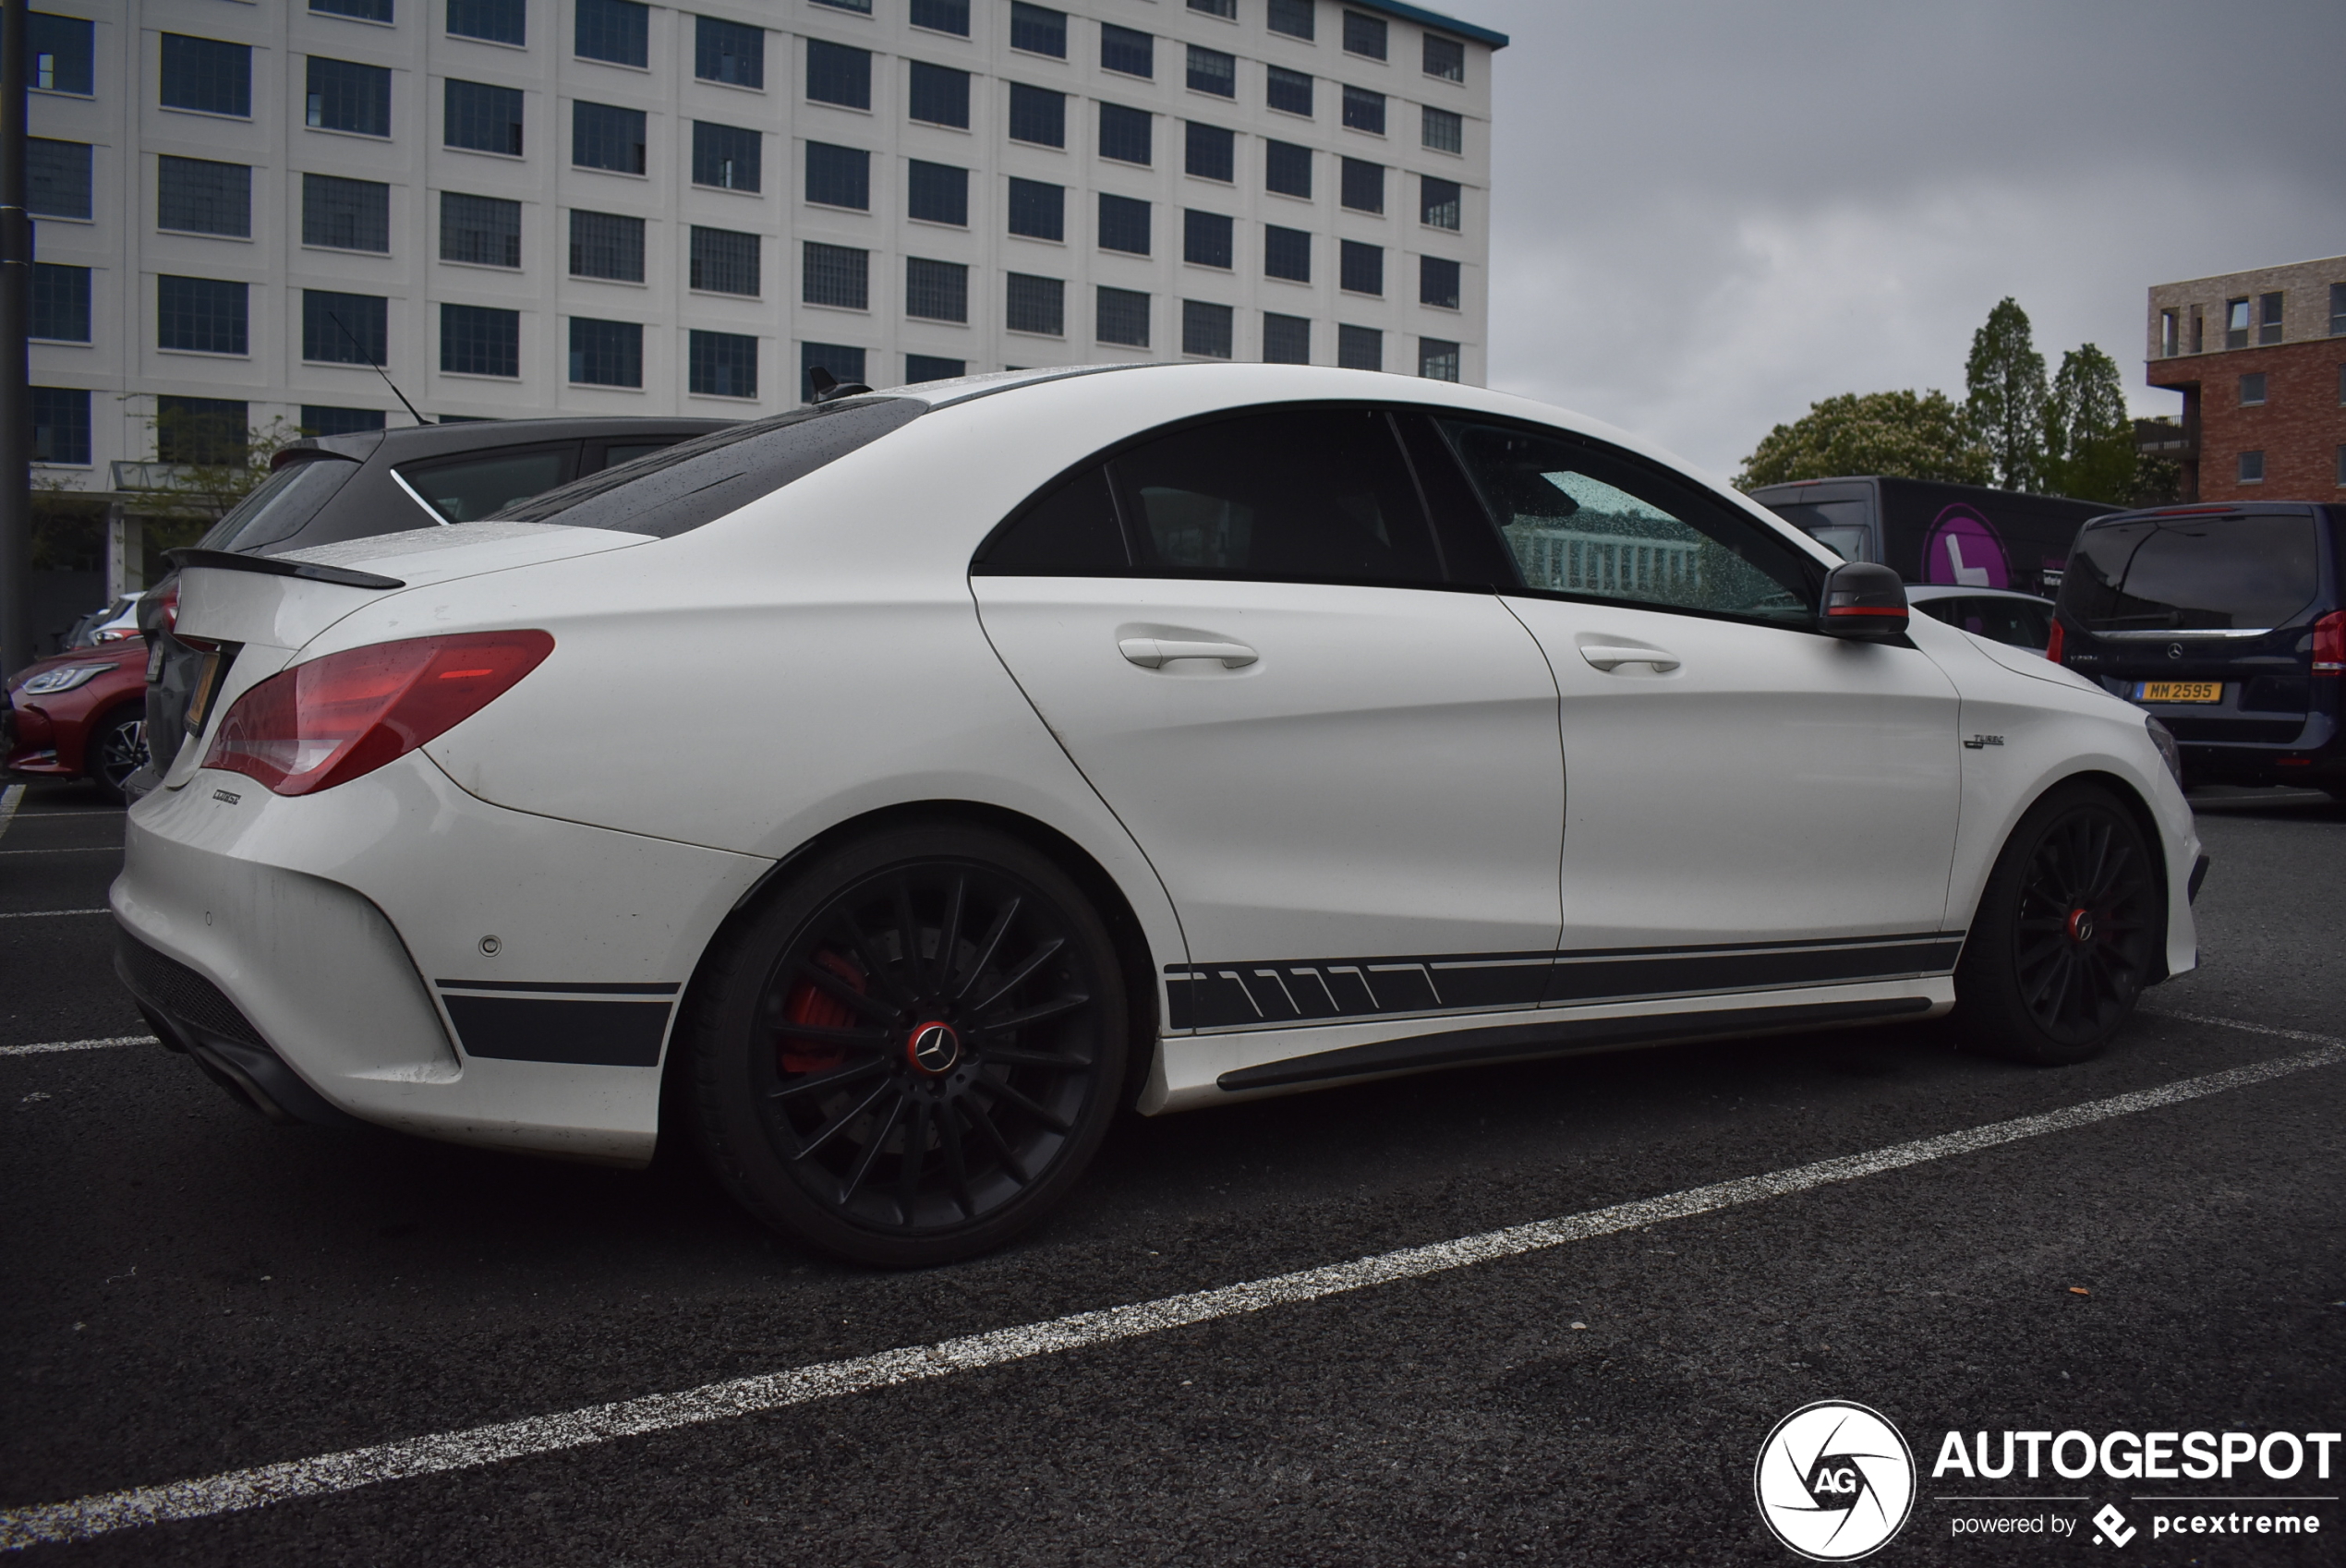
(190, 1015)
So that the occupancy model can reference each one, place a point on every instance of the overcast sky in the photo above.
(1709, 214)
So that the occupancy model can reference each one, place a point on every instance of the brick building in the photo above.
(2260, 359)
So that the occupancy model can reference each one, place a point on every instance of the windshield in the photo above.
(283, 502)
(2193, 574)
(1839, 525)
(698, 481)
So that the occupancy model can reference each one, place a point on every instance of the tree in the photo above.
(1906, 434)
(2005, 378)
(2089, 438)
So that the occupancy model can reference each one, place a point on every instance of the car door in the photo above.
(1747, 802)
(1343, 768)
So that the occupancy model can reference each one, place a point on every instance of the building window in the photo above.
(56, 177)
(484, 119)
(940, 96)
(343, 95)
(1288, 90)
(842, 363)
(1212, 152)
(2251, 467)
(498, 21)
(202, 430)
(2170, 335)
(1121, 316)
(604, 137)
(1126, 51)
(1226, 9)
(207, 75)
(2198, 332)
(1205, 240)
(1363, 110)
(1364, 35)
(2236, 323)
(1287, 340)
(606, 353)
(1287, 169)
(721, 365)
(727, 157)
(201, 314)
(479, 342)
(2268, 317)
(836, 74)
(1124, 225)
(1438, 203)
(2252, 390)
(1445, 57)
(2337, 310)
(1437, 282)
(839, 176)
(1206, 328)
(1038, 210)
(1038, 115)
(942, 15)
(605, 245)
(1290, 16)
(1360, 268)
(1286, 253)
(861, 7)
(361, 10)
(1038, 31)
(936, 291)
(318, 420)
(615, 31)
(342, 214)
(1035, 304)
(481, 230)
(1363, 185)
(1437, 359)
(60, 302)
(197, 196)
(726, 261)
(64, 53)
(1125, 134)
(1213, 71)
(919, 368)
(61, 426)
(1443, 132)
(344, 329)
(2341, 463)
(729, 51)
(1360, 348)
(937, 193)
(837, 274)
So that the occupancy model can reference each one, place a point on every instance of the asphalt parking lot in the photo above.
(191, 1291)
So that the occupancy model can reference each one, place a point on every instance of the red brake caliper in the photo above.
(809, 1003)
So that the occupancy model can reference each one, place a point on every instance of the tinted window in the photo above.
(2187, 574)
(1069, 531)
(702, 480)
(1586, 521)
(466, 489)
(2016, 621)
(280, 506)
(1293, 494)
(1839, 525)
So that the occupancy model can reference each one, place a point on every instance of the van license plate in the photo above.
(2178, 691)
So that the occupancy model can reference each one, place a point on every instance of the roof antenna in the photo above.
(378, 369)
(828, 387)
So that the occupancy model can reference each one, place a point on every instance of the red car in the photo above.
(82, 713)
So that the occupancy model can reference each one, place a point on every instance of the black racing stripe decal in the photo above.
(532, 1029)
(1469, 1047)
(577, 988)
(1237, 996)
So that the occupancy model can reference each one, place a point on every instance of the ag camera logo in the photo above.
(1835, 1481)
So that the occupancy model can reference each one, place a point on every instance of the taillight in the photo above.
(2052, 643)
(2330, 644)
(333, 719)
(167, 615)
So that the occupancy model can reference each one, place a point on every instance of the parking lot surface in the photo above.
(193, 1292)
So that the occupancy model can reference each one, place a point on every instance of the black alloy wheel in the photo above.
(119, 749)
(911, 1056)
(2068, 934)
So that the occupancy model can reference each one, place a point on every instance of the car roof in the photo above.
(406, 441)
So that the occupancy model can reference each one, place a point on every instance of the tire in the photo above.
(2066, 937)
(855, 1093)
(117, 749)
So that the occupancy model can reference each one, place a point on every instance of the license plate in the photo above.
(200, 698)
(2178, 691)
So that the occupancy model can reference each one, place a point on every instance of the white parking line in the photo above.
(46, 1047)
(44, 914)
(9, 798)
(324, 1474)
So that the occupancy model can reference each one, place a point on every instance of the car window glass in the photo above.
(1472, 549)
(1585, 521)
(2193, 574)
(1839, 525)
(1069, 532)
(280, 506)
(466, 489)
(1296, 494)
(617, 453)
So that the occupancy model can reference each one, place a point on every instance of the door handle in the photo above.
(1607, 659)
(1153, 653)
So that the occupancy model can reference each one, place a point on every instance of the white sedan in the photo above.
(895, 790)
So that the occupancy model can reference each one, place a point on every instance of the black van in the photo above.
(1966, 536)
(2228, 623)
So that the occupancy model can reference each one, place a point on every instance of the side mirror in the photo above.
(1863, 601)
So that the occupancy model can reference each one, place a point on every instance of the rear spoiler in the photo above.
(278, 566)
